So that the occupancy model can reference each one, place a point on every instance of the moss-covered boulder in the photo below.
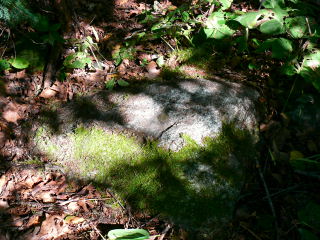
(178, 150)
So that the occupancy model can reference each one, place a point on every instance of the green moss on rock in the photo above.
(195, 186)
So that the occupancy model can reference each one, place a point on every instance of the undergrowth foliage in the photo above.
(30, 46)
(14, 11)
(277, 29)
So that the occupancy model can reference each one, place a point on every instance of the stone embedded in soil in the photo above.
(166, 112)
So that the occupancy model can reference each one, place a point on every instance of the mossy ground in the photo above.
(191, 186)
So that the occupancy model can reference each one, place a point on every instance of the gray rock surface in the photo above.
(165, 112)
(208, 185)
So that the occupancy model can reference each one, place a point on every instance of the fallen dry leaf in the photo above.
(73, 206)
(19, 210)
(48, 93)
(33, 220)
(21, 74)
(3, 205)
(51, 228)
(17, 221)
(74, 220)
(3, 181)
(46, 197)
(152, 69)
(11, 116)
(83, 204)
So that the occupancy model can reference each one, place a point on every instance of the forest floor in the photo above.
(37, 201)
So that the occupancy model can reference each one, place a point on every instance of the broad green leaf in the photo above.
(110, 84)
(272, 27)
(310, 215)
(89, 39)
(312, 76)
(310, 69)
(218, 33)
(69, 58)
(185, 16)
(280, 47)
(215, 20)
(225, 4)
(273, 3)
(4, 65)
(252, 66)
(279, 13)
(250, 19)
(160, 61)
(80, 55)
(35, 58)
(128, 234)
(288, 69)
(297, 27)
(256, 42)
(216, 27)
(19, 62)
(77, 64)
(123, 83)
(312, 60)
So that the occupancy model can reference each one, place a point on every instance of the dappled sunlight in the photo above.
(194, 186)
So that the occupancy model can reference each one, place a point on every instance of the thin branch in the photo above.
(250, 231)
(309, 28)
(164, 232)
(97, 230)
(168, 43)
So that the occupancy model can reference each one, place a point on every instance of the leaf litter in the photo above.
(36, 203)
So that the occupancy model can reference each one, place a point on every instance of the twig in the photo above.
(268, 198)
(79, 199)
(97, 230)
(291, 90)
(116, 200)
(309, 28)
(168, 44)
(250, 231)
(164, 232)
(210, 10)
(150, 221)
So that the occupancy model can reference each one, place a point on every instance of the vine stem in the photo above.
(291, 90)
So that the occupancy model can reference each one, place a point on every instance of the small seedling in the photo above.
(112, 83)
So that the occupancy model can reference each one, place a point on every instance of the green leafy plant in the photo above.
(82, 57)
(128, 234)
(122, 53)
(4, 65)
(113, 82)
(77, 60)
(19, 62)
(282, 18)
(216, 27)
(13, 12)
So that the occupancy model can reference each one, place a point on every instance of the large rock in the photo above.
(165, 112)
(194, 186)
